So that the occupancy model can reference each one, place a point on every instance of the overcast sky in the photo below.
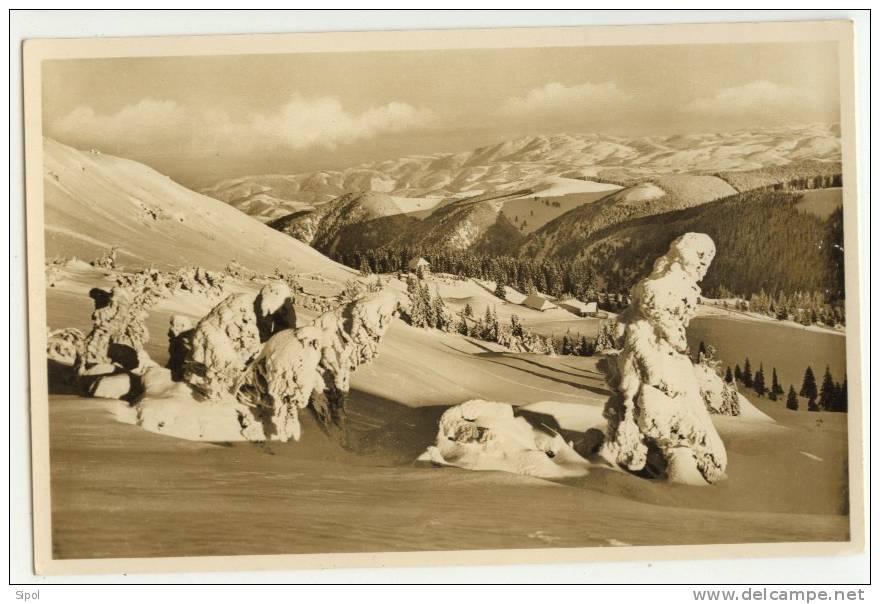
(202, 119)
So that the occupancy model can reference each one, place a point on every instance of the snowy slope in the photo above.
(96, 201)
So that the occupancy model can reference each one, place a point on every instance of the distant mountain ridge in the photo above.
(536, 196)
(519, 163)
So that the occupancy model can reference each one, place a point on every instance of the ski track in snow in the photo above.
(617, 543)
(524, 385)
(811, 456)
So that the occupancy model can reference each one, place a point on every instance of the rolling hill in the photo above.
(765, 239)
(526, 162)
(565, 236)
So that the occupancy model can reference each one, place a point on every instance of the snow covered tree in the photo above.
(792, 401)
(428, 305)
(701, 352)
(462, 325)
(364, 267)
(567, 347)
(442, 315)
(490, 326)
(585, 347)
(468, 311)
(417, 315)
(747, 378)
(605, 336)
(500, 292)
(516, 327)
(758, 383)
(827, 391)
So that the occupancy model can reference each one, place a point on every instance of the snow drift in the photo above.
(483, 435)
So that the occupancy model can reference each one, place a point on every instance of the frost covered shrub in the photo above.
(108, 260)
(358, 288)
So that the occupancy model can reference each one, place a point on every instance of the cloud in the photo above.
(148, 121)
(298, 124)
(303, 123)
(557, 99)
(758, 98)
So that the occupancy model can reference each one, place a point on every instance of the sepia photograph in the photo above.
(461, 296)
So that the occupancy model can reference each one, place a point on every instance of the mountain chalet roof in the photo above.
(581, 308)
(418, 261)
(538, 301)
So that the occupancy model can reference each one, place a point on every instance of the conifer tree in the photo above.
(585, 348)
(701, 352)
(428, 307)
(737, 373)
(808, 387)
(792, 401)
(500, 292)
(775, 388)
(416, 311)
(516, 328)
(728, 375)
(462, 325)
(468, 311)
(566, 345)
(758, 383)
(441, 313)
(842, 400)
(747, 378)
(827, 391)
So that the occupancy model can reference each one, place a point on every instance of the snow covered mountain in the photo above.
(95, 201)
(539, 195)
(522, 163)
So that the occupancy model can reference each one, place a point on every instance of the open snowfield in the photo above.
(120, 491)
(789, 347)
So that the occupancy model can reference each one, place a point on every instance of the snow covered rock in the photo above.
(483, 435)
(659, 402)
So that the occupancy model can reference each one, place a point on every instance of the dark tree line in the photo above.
(829, 396)
(554, 277)
(806, 308)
